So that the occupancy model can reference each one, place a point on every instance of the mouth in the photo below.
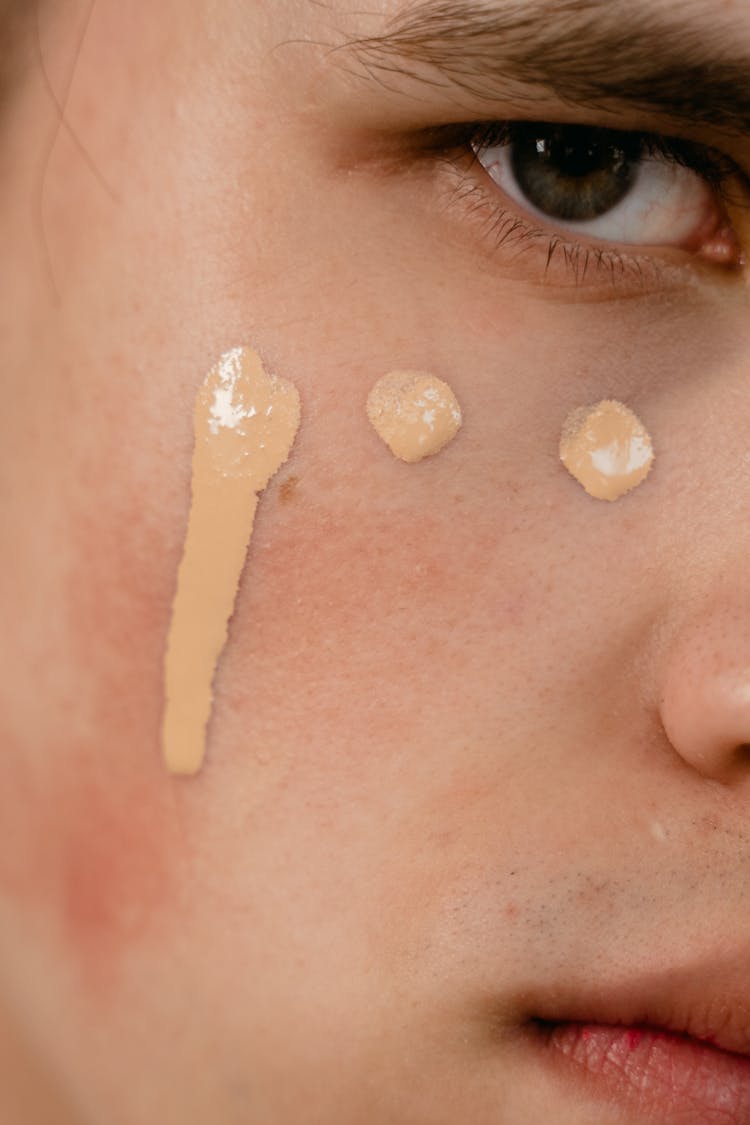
(676, 1055)
(658, 1074)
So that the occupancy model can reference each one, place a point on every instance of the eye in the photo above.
(609, 185)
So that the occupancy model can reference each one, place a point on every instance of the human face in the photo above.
(477, 766)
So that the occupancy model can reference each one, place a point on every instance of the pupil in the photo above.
(573, 172)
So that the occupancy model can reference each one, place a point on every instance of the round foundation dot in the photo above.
(415, 414)
(606, 448)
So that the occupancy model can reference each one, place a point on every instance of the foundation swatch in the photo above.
(607, 449)
(415, 414)
(245, 423)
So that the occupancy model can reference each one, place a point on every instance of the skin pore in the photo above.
(453, 769)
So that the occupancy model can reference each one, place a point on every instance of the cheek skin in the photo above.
(357, 627)
(98, 858)
(90, 812)
(340, 625)
(120, 839)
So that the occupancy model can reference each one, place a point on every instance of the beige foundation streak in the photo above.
(607, 449)
(415, 414)
(245, 425)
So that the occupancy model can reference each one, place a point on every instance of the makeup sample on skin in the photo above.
(606, 448)
(414, 413)
(245, 423)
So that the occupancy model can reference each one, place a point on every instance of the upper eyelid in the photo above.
(691, 153)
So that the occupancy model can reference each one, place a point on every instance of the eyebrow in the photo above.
(583, 51)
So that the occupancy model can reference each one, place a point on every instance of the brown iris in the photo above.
(574, 172)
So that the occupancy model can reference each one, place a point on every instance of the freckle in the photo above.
(288, 490)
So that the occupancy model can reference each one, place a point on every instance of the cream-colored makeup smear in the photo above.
(245, 423)
(415, 414)
(606, 448)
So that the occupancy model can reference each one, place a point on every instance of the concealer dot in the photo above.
(245, 422)
(414, 413)
(606, 448)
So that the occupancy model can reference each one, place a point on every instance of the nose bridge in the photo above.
(704, 698)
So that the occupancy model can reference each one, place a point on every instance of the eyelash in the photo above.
(457, 147)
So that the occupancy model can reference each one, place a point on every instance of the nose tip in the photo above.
(705, 701)
(710, 726)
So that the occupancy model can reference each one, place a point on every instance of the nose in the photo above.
(705, 699)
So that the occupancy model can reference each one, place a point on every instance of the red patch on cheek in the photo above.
(114, 868)
(96, 855)
(116, 808)
(90, 817)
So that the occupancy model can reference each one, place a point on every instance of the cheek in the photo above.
(363, 622)
(93, 858)
(94, 840)
(379, 609)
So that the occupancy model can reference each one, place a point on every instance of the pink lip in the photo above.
(669, 1045)
(665, 1077)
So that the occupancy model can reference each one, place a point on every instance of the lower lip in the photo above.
(661, 1077)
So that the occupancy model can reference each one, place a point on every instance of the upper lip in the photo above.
(708, 1001)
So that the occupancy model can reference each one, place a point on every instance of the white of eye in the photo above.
(667, 205)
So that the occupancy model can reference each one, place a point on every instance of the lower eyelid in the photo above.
(533, 253)
(544, 256)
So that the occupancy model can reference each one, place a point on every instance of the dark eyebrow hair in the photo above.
(585, 51)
